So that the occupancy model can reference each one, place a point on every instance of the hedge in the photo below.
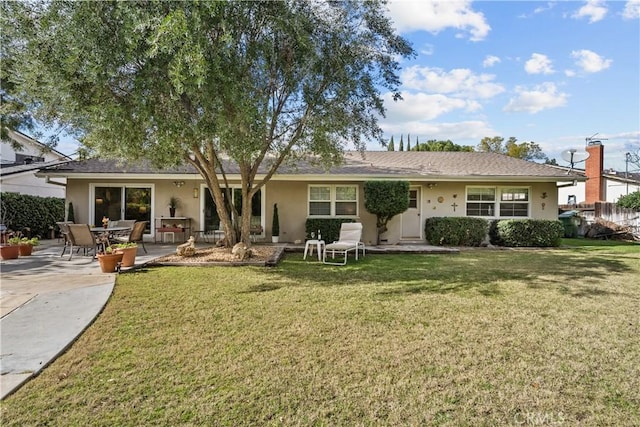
(455, 231)
(20, 211)
(329, 227)
(526, 233)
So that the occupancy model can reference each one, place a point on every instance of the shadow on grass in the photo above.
(571, 272)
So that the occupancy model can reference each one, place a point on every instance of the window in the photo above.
(126, 202)
(481, 201)
(333, 200)
(319, 201)
(512, 201)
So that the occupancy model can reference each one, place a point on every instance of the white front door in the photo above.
(411, 217)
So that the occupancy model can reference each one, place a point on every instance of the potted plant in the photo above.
(174, 202)
(109, 260)
(129, 251)
(10, 250)
(275, 225)
(26, 245)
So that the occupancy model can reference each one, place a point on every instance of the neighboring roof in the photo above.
(631, 177)
(416, 165)
(24, 138)
(13, 168)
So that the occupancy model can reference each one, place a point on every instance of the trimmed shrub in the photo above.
(385, 199)
(20, 211)
(329, 227)
(455, 231)
(529, 232)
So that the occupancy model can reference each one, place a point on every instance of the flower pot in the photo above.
(275, 239)
(9, 251)
(109, 262)
(128, 255)
(25, 250)
(172, 212)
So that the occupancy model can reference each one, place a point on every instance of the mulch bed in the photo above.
(265, 256)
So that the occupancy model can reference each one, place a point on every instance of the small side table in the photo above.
(308, 247)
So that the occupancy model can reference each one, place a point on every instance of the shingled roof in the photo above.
(378, 164)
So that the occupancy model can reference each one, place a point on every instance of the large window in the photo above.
(122, 202)
(503, 202)
(333, 200)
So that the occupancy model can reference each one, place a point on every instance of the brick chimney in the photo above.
(593, 169)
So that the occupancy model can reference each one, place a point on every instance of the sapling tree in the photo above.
(385, 199)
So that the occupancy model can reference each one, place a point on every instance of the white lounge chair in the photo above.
(349, 240)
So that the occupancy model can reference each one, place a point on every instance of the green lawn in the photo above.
(487, 337)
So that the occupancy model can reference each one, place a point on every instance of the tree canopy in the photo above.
(385, 199)
(524, 150)
(434, 145)
(259, 83)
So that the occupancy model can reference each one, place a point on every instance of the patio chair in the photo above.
(64, 231)
(116, 235)
(349, 240)
(136, 235)
(80, 236)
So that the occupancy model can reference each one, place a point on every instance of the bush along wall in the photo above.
(21, 211)
(455, 231)
(329, 227)
(526, 233)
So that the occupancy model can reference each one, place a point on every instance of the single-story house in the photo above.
(486, 185)
(18, 166)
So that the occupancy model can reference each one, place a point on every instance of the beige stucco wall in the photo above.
(291, 197)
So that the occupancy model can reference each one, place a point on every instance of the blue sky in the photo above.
(549, 72)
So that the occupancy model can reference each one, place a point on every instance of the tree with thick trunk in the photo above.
(228, 87)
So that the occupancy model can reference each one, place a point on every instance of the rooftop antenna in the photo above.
(574, 156)
(592, 140)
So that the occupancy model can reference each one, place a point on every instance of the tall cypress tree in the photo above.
(391, 146)
(401, 143)
(417, 144)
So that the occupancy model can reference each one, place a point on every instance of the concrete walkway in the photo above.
(46, 302)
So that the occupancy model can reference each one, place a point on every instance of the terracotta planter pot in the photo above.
(109, 262)
(128, 255)
(25, 250)
(9, 251)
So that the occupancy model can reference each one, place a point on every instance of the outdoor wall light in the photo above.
(195, 192)
(178, 183)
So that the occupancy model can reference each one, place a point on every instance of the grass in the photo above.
(513, 337)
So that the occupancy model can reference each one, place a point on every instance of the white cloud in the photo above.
(593, 9)
(538, 64)
(569, 73)
(541, 97)
(427, 49)
(550, 5)
(631, 10)
(437, 15)
(458, 82)
(490, 61)
(422, 106)
(590, 62)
